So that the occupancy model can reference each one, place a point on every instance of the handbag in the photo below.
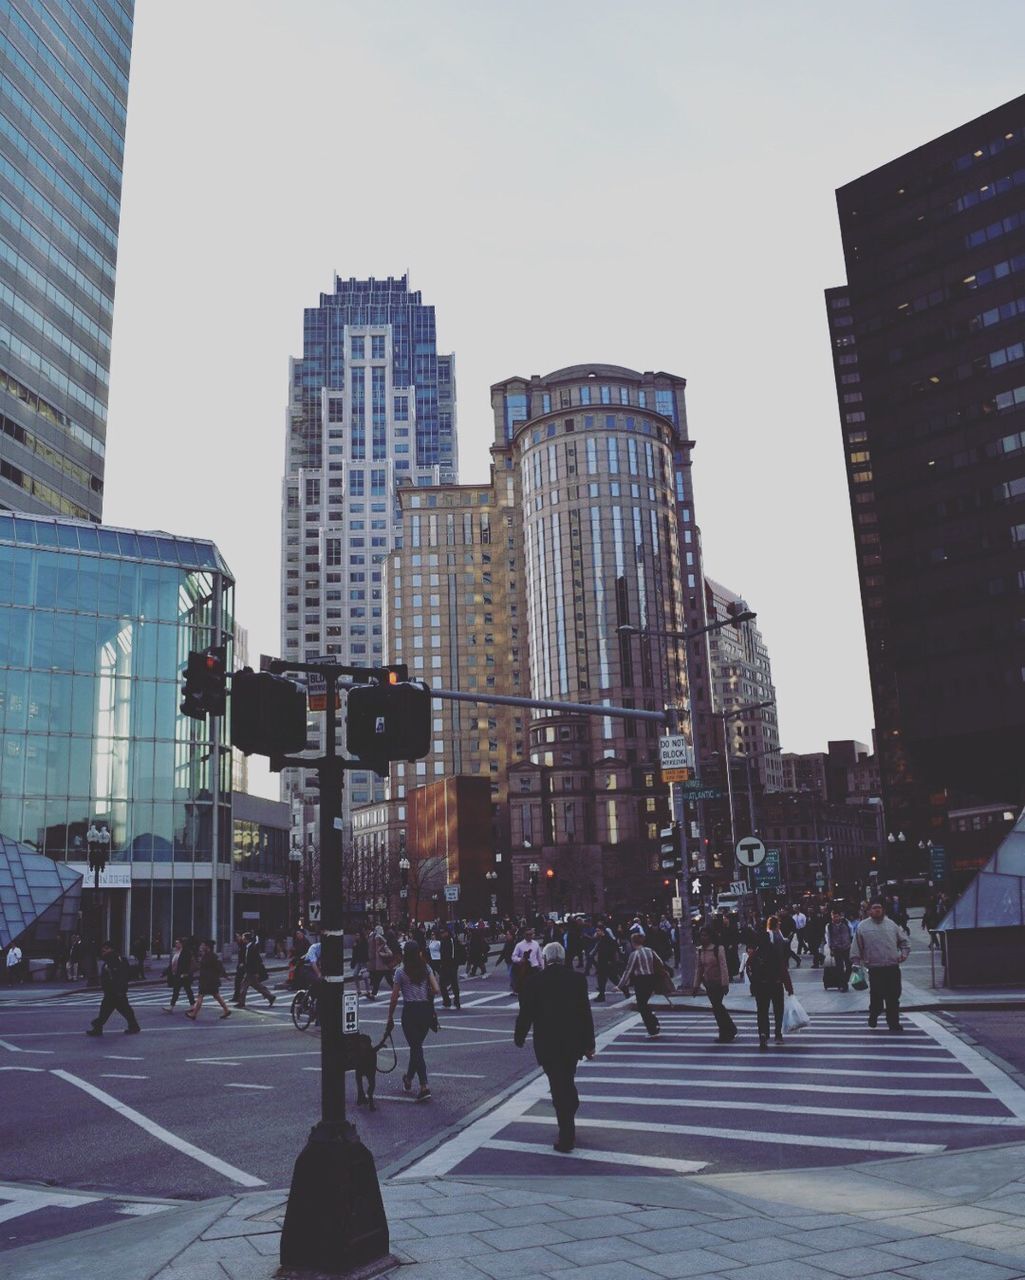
(794, 1016)
(858, 980)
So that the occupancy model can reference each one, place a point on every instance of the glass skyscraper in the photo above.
(95, 625)
(63, 94)
(371, 409)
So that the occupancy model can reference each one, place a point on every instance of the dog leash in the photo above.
(394, 1055)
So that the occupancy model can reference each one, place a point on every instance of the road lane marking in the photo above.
(160, 1133)
(22, 1068)
(787, 1052)
(453, 1152)
(638, 1059)
(29, 1201)
(999, 1084)
(234, 1059)
(873, 1090)
(746, 1135)
(122, 1057)
(603, 1157)
(456, 1075)
(14, 1048)
(117, 1075)
(778, 1108)
(233, 1085)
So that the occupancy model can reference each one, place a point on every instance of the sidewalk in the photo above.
(923, 1218)
(154, 978)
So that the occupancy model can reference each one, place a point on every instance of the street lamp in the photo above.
(534, 871)
(735, 714)
(491, 877)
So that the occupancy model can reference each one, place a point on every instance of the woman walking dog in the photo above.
(417, 986)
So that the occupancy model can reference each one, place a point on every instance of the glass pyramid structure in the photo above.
(996, 897)
(37, 895)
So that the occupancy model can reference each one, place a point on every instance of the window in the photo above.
(377, 346)
(356, 347)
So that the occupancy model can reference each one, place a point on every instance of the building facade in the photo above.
(598, 459)
(95, 625)
(928, 340)
(264, 891)
(742, 677)
(371, 409)
(63, 96)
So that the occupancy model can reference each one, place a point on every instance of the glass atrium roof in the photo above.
(996, 897)
(81, 535)
(36, 894)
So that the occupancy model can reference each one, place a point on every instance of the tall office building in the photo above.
(371, 410)
(598, 457)
(928, 340)
(63, 94)
(742, 675)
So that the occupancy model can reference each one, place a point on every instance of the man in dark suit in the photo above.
(114, 980)
(554, 1002)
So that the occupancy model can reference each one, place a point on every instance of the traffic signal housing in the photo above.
(204, 688)
(386, 722)
(670, 853)
(268, 714)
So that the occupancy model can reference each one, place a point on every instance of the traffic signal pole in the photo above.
(335, 1219)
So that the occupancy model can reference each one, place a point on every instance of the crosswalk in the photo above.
(29, 1214)
(834, 1094)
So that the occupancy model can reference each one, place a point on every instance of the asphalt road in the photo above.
(244, 1091)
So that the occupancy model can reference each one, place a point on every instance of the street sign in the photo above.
(677, 907)
(938, 862)
(451, 893)
(313, 913)
(695, 790)
(750, 851)
(766, 875)
(350, 1013)
(675, 758)
(738, 887)
(820, 880)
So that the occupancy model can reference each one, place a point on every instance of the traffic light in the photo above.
(549, 875)
(268, 714)
(204, 686)
(669, 849)
(386, 722)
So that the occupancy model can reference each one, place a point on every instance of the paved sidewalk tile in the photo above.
(692, 1262)
(853, 1264)
(519, 1263)
(764, 1249)
(789, 1270)
(616, 1225)
(964, 1269)
(589, 1208)
(749, 1228)
(455, 1269)
(522, 1215)
(924, 1249)
(582, 1253)
(995, 1235)
(506, 1238)
(450, 1224)
(437, 1247)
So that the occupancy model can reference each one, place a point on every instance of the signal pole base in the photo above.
(335, 1220)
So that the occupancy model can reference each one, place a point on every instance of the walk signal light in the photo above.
(204, 687)
(268, 714)
(388, 721)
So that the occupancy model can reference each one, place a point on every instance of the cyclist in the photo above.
(312, 974)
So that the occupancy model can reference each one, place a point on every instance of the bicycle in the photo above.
(304, 1009)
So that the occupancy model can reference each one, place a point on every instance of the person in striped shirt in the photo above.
(640, 970)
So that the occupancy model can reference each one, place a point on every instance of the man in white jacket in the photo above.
(883, 946)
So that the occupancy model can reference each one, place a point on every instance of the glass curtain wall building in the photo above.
(95, 624)
(63, 95)
(371, 408)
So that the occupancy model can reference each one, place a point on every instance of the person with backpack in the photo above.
(606, 960)
(839, 939)
(451, 956)
(712, 971)
(768, 971)
(254, 972)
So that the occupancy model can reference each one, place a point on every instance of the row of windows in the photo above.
(50, 455)
(22, 230)
(57, 377)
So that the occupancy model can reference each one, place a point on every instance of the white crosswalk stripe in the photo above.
(835, 1094)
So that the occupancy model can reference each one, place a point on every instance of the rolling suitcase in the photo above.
(831, 976)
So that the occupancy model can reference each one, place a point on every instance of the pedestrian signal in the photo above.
(268, 714)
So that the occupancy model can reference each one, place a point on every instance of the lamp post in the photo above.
(295, 860)
(491, 877)
(676, 801)
(534, 871)
(404, 884)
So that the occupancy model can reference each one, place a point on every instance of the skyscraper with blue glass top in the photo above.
(63, 96)
(371, 409)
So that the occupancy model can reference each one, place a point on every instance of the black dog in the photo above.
(360, 1057)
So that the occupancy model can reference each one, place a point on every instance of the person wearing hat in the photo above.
(554, 1002)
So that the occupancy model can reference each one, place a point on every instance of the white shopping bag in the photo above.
(794, 1016)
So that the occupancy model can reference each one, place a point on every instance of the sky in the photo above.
(567, 181)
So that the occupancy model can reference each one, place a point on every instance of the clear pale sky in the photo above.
(566, 181)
